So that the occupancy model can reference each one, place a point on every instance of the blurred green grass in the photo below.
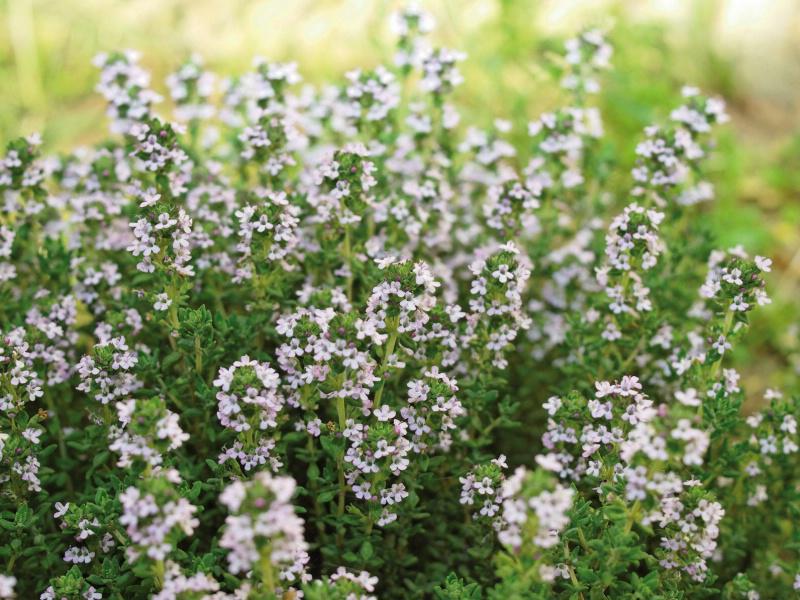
(47, 81)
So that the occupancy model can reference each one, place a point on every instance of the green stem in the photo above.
(386, 354)
(726, 327)
(632, 515)
(632, 356)
(267, 576)
(582, 539)
(347, 252)
(198, 355)
(158, 573)
(342, 413)
(573, 578)
(314, 488)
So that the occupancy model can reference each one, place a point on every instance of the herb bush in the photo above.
(331, 344)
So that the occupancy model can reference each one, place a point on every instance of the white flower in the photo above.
(386, 261)
(500, 461)
(32, 435)
(362, 491)
(738, 304)
(384, 413)
(721, 345)
(552, 405)
(7, 583)
(689, 397)
(764, 264)
(162, 302)
(503, 274)
(61, 509)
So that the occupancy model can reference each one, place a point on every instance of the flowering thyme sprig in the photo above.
(263, 535)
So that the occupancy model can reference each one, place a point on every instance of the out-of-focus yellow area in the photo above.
(748, 51)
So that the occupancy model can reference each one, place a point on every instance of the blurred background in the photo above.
(748, 51)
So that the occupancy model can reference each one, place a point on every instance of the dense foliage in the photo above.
(328, 343)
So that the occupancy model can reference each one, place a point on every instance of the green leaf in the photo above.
(366, 550)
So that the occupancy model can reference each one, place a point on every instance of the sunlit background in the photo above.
(745, 50)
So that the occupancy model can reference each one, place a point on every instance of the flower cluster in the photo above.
(125, 86)
(632, 243)
(155, 516)
(496, 315)
(482, 489)
(263, 531)
(107, 374)
(32, 357)
(146, 431)
(548, 510)
(587, 54)
(667, 157)
(248, 396)
(190, 87)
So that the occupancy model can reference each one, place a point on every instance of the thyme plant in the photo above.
(331, 343)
